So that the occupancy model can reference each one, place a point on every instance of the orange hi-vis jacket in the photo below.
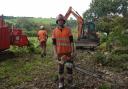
(42, 35)
(63, 44)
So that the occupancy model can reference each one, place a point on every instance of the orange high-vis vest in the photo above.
(63, 44)
(42, 35)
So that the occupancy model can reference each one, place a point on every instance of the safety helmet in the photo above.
(41, 27)
(60, 17)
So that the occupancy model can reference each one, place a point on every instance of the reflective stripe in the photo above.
(63, 41)
(63, 44)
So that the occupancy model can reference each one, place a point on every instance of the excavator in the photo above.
(87, 36)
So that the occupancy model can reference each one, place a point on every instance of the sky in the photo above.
(41, 8)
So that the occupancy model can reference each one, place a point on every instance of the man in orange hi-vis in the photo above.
(63, 47)
(42, 37)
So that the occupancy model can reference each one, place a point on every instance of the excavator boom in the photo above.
(79, 20)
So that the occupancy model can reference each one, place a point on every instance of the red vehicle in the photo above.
(11, 36)
(87, 36)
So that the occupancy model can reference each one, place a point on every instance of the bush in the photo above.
(119, 61)
(31, 33)
(121, 50)
(102, 47)
(31, 48)
(103, 37)
(104, 86)
(112, 60)
(100, 58)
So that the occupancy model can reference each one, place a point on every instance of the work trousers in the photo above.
(69, 69)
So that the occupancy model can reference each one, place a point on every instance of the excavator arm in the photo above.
(79, 20)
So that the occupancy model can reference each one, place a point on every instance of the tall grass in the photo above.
(33, 47)
(25, 67)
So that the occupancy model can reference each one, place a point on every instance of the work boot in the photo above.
(70, 82)
(61, 86)
(71, 86)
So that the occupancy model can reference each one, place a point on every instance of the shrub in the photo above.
(102, 47)
(121, 50)
(100, 58)
(31, 48)
(104, 86)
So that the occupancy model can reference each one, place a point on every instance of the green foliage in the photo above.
(102, 47)
(100, 58)
(106, 7)
(20, 70)
(30, 23)
(109, 21)
(25, 23)
(104, 86)
(25, 65)
(103, 37)
(119, 61)
(33, 47)
(122, 50)
(104, 25)
(118, 36)
(101, 7)
(116, 29)
(17, 71)
(32, 33)
(71, 23)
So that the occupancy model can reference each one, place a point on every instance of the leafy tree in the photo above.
(104, 24)
(71, 23)
(119, 33)
(26, 24)
(108, 7)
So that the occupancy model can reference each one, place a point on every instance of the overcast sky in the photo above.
(41, 8)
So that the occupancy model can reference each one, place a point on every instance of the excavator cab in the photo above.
(90, 31)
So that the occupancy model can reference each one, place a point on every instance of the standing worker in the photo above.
(63, 50)
(42, 37)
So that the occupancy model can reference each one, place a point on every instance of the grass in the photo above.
(18, 70)
(104, 86)
(24, 65)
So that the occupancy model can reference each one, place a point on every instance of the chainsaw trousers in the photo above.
(69, 71)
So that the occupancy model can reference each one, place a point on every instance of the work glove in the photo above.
(61, 62)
